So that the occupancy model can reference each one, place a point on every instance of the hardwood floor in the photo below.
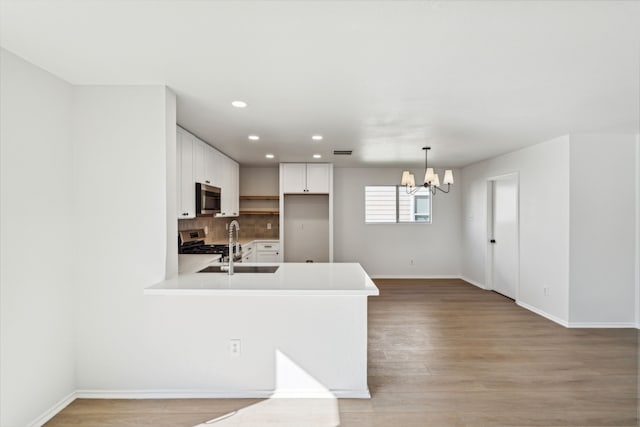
(441, 353)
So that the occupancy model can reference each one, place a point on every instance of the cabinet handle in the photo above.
(208, 182)
(185, 213)
(268, 246)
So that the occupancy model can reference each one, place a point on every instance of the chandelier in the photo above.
(431, 179)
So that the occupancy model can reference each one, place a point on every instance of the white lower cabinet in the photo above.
(248, 252)
(267, 257)
(261, 251)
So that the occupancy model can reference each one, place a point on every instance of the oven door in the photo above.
(207, 199)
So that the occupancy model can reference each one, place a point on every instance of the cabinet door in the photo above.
(199, 169)
(186, 185)
(213, 166)
(318, 178)
(234, 187)
(229, 188)
(272, 256)
(294, 178)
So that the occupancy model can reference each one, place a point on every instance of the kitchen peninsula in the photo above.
(300, 331)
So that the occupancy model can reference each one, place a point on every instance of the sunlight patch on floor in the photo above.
(298, 400)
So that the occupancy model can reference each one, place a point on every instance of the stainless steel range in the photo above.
(193, 242)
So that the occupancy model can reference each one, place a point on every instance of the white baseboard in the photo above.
(217, 394)
(409, 276)
(196, 394)
(479, 285)
(603, 325)
(54, 410)
(543, 313)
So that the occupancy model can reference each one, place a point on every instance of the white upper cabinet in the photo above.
(213, 161)
(186, 176)
(197, 161)
(318, 178)
(230, 188)
(294, 178)
(306, 178)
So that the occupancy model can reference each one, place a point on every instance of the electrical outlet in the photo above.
(226, 226)
(268, 226)
(234, 347)
(547, 291)
(411, 262)
(206, 230)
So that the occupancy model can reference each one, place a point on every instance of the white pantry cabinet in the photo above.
(306, 178)
(186, 200)
(306, 223)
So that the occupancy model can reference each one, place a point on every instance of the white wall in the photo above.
(120, 150)
(37, 344)
(384, 250)
(255, 181)
(171, 268)
(638, 233)
(543, 171)
(603, 220)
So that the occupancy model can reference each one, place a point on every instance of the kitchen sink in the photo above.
(242, 269)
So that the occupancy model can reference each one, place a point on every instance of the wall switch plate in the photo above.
(206, 230)
(268, 226)
(235, 348)
(546, 291)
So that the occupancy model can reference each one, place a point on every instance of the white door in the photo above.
(504, 241)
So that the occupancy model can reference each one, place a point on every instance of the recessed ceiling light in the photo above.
(269, 156)
(317, 137)
(239, 104)
(254, 137)
(317, 156)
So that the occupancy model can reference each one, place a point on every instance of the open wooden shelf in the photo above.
(259, 205)
(256, 212)
(259, 197)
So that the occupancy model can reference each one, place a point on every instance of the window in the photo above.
(392, 204)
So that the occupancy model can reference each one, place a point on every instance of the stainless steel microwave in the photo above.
(207, 199)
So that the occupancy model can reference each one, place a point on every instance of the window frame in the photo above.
(422, 193)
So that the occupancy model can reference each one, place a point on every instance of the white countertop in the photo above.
(328, 279)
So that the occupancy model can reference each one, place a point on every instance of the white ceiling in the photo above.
(472, 79)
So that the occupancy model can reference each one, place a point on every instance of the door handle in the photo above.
(492, 241)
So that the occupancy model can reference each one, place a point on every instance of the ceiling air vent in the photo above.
(342, 152)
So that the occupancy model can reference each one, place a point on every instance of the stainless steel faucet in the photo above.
(229, 267)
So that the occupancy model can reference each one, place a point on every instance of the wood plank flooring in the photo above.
(441, 353)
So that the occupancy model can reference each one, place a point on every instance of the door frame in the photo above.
(489, 229)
